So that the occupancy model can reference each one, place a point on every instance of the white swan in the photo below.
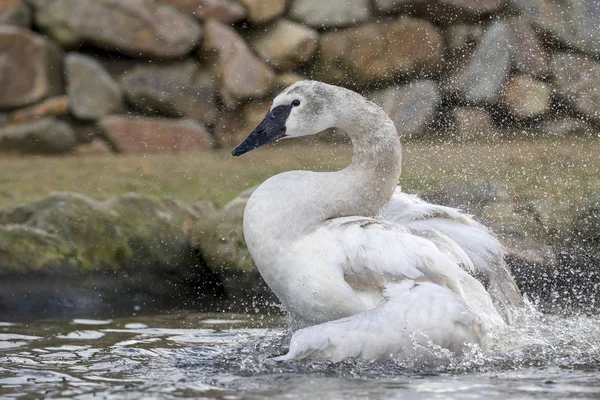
(378, 273)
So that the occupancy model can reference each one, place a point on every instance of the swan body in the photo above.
(371, 272)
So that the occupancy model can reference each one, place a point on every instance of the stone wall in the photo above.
(152, 75)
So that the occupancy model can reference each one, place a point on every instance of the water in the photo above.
(225, 356)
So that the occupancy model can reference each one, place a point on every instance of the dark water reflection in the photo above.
(225, 356)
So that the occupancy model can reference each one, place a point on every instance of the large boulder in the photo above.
(482, 79)
(226, 11)
(378, 51)
(147, 135)
(526, 97)
(329, 14)
(69, 255)
(577, 80)
(220, 240)
(285, 44)
(42, 136)
(93, 93)
(261, 11)
(240, 74)
(181, 89)
(412, 107)
(572, 22)
(128, 231)
(30, 65)
(15, 12)
(137, 28)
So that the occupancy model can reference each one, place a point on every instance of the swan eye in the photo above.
(296, 103)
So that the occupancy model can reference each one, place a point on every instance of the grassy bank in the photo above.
(561, 169)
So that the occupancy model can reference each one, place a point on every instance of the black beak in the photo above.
(271, 128)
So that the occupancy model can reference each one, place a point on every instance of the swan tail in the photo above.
(416, 322)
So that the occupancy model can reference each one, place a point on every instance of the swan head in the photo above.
(304, 108)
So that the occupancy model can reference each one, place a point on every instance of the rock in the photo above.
(30, 67)
(396, 5)
(220, 240)
(378, 51)
(15, 12)
(226, 11)
(131, 249)
(43, 136)
(526, 97)
(93, 93)
(124, 232)
(143, 135)
(25, 249)
(234, 126)
(240, 74)
(571, 22)
(529, 57)
(52, 107)
(261, 11)
(473, 7)
(565, 127)
(469, 196)
(143, 28)
(460, 37)
(285, 44)
(412, 107)
(483, 78)
(179, 90)
(330, 14)
(577, 80)
(472, 124)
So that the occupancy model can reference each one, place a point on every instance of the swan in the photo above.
(371, 272)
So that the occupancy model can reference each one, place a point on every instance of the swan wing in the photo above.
(415, 321)
(448, 228)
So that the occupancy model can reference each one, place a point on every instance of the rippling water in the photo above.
(225, 356)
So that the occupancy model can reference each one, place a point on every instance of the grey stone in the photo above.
(137, 28)
(43, 136)
(92, 92)
(226, 11)
(529, 56)
(571, 22)
(396, 5)
(239, 73)
(412, 107)
(180, 90)
(577, 79)
(474, 7)
(328, 14)
(484, 76)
